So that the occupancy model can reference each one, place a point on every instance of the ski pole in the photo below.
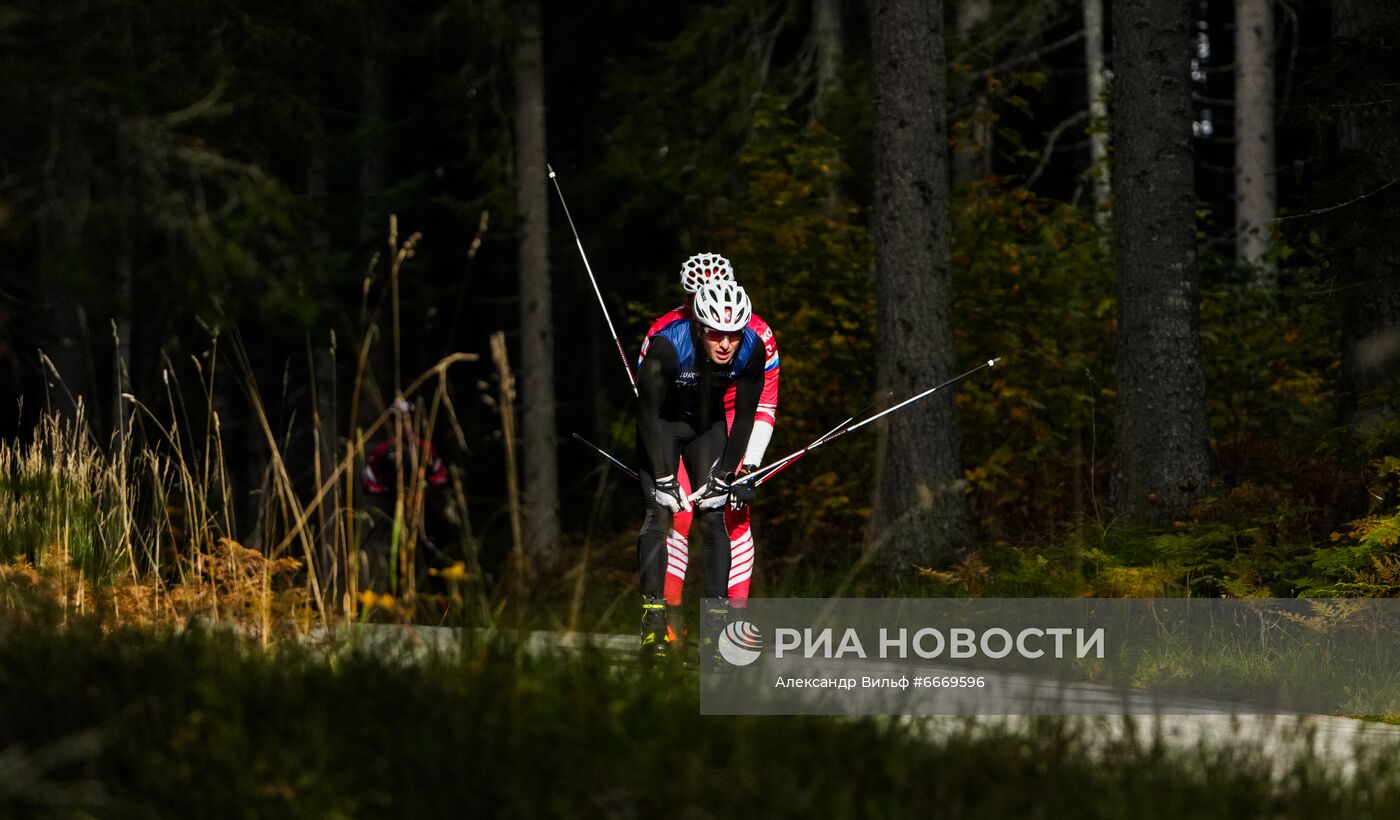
(842, 429)
(824, 436)
(832, 433)
(633, 473)
(822, 439)
(620, 351)
(828, 434)
(605, 454)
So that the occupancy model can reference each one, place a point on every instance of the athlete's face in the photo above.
(721, 345)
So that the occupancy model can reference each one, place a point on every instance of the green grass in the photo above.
(59, 494)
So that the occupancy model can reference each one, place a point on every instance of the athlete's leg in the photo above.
(657, 520)
(741, 555)
(700, 456)
(651, 563)
(677, 544)
(656, 524)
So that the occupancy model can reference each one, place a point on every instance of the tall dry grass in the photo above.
(145, 528)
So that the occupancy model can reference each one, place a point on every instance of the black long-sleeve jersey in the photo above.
(677, 383)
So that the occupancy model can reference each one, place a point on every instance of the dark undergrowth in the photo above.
(154, 723)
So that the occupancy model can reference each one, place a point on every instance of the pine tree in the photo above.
(1162, 454)
(920, 515)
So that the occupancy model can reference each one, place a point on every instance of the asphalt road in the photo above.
(1182, 723)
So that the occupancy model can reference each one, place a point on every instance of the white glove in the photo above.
(667, 492)
(714, 495)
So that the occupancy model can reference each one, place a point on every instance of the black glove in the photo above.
(741, 494)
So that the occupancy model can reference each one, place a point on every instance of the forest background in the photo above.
(196, 209)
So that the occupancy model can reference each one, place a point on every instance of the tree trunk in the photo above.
(121, 327)
(973, 159)
(259, 507)
(373, 387)
(1256, 194)
(67, 351)
(1097, 90)
(371, 182)
(541, 479)
(323, 390)
(920, 513)
(830, 40)
(67, 196)
(1367, 257)
(1162, 447)
(327, 458)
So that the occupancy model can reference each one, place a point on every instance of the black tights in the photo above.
(699, 451)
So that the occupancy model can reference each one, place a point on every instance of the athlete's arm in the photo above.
(654, 376)
(766, 417)
(675, 314)
(747, 389)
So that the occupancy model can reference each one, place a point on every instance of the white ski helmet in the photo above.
(705, 267)
(722, 306)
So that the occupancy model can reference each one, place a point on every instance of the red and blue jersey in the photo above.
(768, 400)
(677, 345)
(766, 416)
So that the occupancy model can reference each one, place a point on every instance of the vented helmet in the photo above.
(705, 267)
(722, 306)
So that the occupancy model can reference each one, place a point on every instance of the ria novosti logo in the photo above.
(741, 643)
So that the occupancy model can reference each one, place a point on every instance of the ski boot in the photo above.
(656, 634)
(712, 624)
